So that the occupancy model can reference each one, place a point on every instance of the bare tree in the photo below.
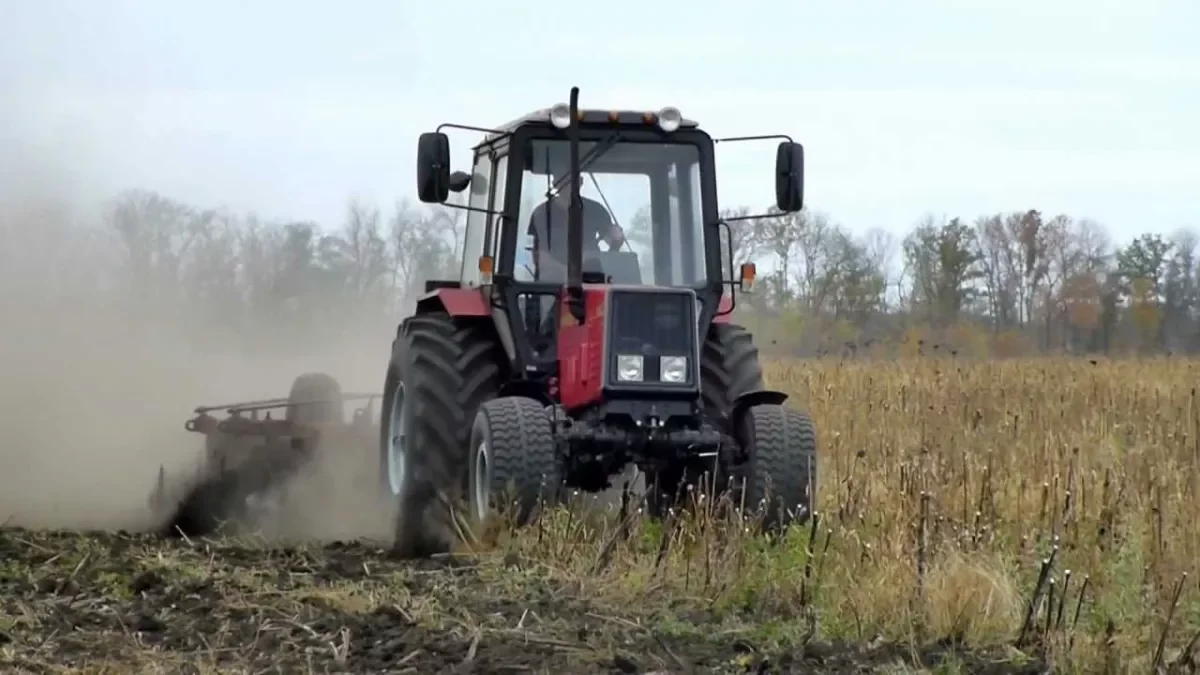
(1057, 281)
(779, 236)
(363, 253)
(744, 237)
(156, 235)
(425, 245)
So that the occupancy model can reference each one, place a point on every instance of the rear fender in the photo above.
(724, 313)
(457, 302)
(465, 306)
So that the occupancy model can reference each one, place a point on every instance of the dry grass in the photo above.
(955, 496)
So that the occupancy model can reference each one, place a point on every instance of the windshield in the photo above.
(651, 191)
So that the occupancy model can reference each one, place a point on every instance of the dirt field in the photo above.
(952, 494)
(116, 603)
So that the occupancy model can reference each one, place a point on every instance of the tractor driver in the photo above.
(548, 227)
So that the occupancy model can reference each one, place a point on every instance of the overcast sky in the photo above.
(905, 106)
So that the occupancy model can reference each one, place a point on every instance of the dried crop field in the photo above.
(954, 493)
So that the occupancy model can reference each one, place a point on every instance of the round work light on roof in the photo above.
(669, 119)
(560, 115)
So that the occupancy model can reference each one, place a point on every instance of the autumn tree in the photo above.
(942, 258)
(1140, 272)
(1180, 291)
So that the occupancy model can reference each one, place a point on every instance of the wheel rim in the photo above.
(483, 481)
(397, 454)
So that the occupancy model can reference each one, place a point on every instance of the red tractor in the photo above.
(552, 364)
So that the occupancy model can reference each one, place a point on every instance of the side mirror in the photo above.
(746, 281)
(789, 177)
(433, 167)
(459, 180)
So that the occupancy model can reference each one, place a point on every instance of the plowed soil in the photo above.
(123, 603)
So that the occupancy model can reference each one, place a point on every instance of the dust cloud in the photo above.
(95, 387)
(94, 394)
(335, 497)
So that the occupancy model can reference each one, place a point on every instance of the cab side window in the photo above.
(478, 197)
(500, 179)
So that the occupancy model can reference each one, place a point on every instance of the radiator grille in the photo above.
(652, 324)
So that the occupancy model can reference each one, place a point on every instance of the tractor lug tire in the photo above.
(729, 367)
(782, 465)
(514, 459)
(444, 368)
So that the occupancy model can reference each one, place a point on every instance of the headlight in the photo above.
(629, 367)
(669, 119)
(560, 115)
(673, 368)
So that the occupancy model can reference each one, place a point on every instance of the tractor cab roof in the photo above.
(613, 118)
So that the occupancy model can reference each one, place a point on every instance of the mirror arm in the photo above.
(769, 137)
(476, 209)
(465, 127)
(738, 219)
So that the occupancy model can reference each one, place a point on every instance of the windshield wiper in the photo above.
(608, 206)
(587, 160)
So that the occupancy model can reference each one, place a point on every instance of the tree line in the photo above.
(1003, 284)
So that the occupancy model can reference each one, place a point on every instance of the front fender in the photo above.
(750, 399)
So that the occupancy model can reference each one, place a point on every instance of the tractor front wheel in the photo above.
(780, 473)
(729, 367)
(513, 455)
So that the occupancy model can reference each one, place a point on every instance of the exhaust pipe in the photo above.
(575, 219)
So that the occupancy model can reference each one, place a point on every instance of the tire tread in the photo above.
(783, 463)
(449, 368)
(523, 450)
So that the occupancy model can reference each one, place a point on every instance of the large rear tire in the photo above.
(442, 369)
(729, 367)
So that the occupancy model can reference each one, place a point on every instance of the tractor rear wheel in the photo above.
(781, 469)
(442, 369)
(729, 367)
(513, 455)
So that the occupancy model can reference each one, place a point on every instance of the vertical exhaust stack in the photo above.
(575, 218)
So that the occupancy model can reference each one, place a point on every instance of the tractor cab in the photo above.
(642, 219)
(565, 198)
(643, 174)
